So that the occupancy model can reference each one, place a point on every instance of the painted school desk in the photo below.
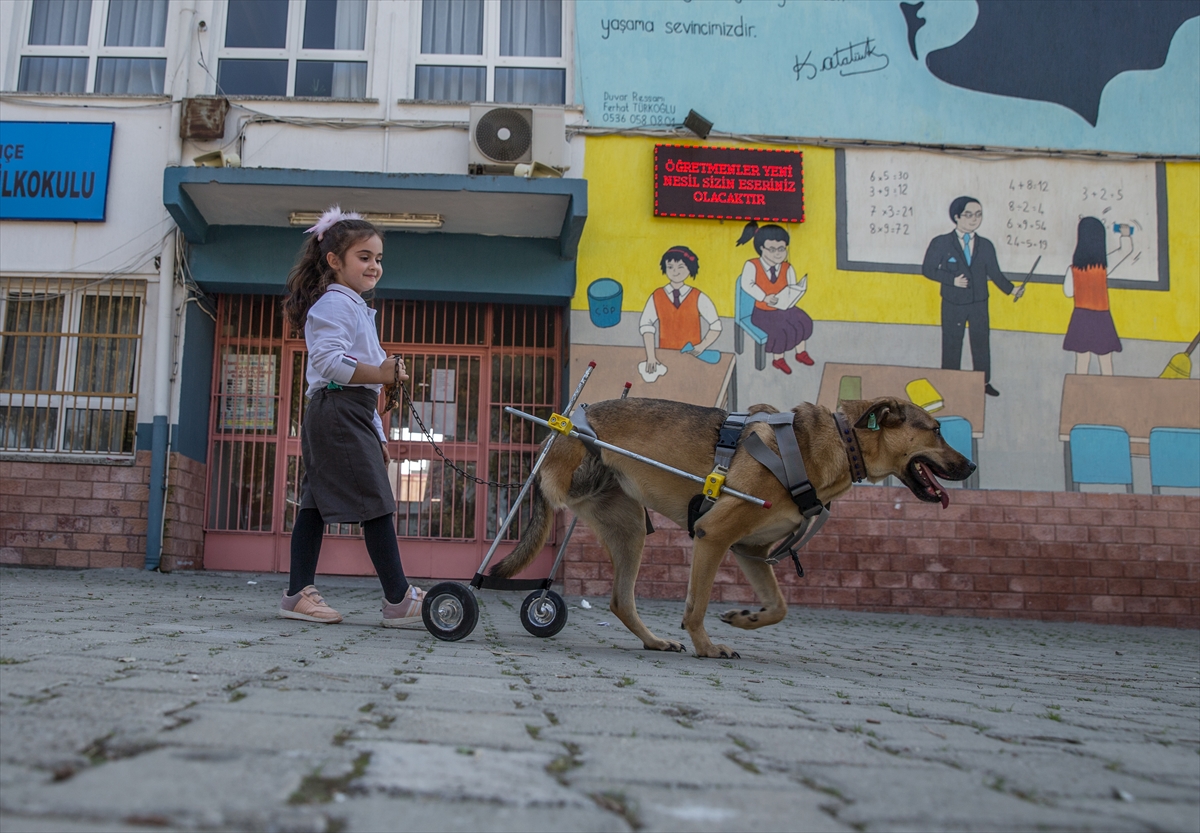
(687, 379)
(1135, 403)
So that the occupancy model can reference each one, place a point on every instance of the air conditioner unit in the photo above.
(503, 137)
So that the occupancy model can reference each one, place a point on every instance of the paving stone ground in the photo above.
(133, 700)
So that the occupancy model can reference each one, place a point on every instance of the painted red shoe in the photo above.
(782, 365)
(804, 358)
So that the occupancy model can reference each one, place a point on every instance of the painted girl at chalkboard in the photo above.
(1091, 329)
(771, 281)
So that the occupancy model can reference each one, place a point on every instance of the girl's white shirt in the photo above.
(340, 332)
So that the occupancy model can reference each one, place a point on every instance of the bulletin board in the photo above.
(248, 392)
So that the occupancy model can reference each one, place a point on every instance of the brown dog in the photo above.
(608, 491)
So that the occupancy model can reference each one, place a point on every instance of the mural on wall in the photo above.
(1045, 267)
(1106, 422)
(1070, 76)
(769, 282)
(677, 327)
(963, 261)
(1091, 330)
(682, 317)
(892, 202)
(1051, 52)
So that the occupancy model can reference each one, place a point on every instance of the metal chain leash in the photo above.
(398, 391)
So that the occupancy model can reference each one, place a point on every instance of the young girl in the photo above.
(765, 278)
(1091, 329)
(342, 439)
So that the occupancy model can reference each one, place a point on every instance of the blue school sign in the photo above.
(54, 170)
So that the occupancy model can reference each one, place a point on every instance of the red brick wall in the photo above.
(87, 515)
(183, 537)
(1114, 558)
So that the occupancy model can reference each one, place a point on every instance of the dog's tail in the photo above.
(533, 537)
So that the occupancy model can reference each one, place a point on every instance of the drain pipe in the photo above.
(160, 438)
(160, 446)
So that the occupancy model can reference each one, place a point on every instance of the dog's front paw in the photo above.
(718, 652)
(742, 618)
(665, 645)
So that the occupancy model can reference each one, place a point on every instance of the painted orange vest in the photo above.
(763, 281)
(676, 327)
(1091, 287)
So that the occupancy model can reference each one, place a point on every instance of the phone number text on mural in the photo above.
(632, 108)
(639, 119)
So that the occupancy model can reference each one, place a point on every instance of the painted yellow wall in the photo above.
(623, 240)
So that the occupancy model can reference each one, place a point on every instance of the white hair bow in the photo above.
(329, 218)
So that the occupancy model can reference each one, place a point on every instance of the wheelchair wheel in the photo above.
(543, 617)
(450, 611)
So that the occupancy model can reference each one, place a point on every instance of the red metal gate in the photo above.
(466, 362)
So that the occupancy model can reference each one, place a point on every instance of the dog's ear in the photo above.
(887, 412)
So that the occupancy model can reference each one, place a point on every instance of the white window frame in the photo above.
(293, 51)
(491, 57)
(64, 397)
(93, 51)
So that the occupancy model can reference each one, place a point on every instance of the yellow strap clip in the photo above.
(713, 484)
(560, 424)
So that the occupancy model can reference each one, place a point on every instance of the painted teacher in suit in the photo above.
(963, 262)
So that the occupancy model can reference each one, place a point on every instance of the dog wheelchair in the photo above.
(450, 611)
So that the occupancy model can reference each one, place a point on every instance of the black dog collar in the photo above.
(858, 468)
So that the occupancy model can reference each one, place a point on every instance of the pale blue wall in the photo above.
(736, 63)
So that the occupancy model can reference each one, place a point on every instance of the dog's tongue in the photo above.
(942, 494)
(933, 485)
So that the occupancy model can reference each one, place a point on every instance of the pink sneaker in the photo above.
(308, 606)
(406, 613)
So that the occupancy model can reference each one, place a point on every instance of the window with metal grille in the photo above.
(69, 365)
(102, 46)
(510, 51)
(294, 47)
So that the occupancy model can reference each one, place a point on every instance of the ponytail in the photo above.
(762, 235)
(747, 233)
(312, 274)
(307, 282)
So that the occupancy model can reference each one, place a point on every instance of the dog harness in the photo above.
(789, 468)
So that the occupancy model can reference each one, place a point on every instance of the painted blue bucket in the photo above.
(604, 302)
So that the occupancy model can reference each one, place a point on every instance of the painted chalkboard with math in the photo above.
(891, 203)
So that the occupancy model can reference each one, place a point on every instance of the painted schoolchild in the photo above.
(342, 439)
(679, 313)
(771, 281)
(1091, 330)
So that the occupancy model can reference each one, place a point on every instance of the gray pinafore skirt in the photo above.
(345, 478)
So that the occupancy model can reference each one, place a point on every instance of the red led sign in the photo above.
(728, 183)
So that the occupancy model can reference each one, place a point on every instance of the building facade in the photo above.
(231, 124)
(151, 392)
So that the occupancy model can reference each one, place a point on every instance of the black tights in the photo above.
(380, 536)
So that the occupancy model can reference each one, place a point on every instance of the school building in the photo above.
(160, 159)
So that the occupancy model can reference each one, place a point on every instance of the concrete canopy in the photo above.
(503, 206)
